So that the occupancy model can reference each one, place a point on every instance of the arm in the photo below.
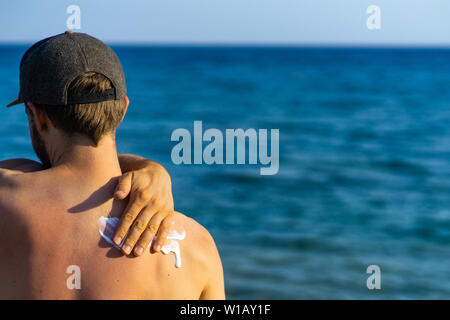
(150, 208)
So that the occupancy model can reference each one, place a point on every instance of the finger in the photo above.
(131, 212)
(145, 239)
(123, 187)
(165, 223)
(138, 228)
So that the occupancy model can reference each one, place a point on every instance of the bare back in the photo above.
(48, 225)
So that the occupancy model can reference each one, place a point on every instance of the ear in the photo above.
(38, 117)
(127, 102)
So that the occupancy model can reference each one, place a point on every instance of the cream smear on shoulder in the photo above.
(107, 227)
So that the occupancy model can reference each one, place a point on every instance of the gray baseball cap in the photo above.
(49, 66)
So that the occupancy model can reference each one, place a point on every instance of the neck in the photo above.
(85, 160)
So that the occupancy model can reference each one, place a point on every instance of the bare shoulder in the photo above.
(12, 216)
(17, 178)
(12, 168)
(199, 247)
(19, 165)
(196, 235)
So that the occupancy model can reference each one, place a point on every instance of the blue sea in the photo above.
(364, 175)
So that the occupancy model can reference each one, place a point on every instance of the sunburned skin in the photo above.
(107, 228)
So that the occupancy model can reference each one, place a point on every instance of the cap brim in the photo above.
(13, 103)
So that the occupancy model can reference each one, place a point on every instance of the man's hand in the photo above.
(150, 206)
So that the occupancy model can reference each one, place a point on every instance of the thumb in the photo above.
(123, 186)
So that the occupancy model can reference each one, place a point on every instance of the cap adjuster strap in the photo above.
(93, 97)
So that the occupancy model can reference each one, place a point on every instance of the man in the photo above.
(51, 214)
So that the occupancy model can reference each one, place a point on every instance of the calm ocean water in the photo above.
(364, 161)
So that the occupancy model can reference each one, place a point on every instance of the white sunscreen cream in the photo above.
(107, 228)
(174, 246)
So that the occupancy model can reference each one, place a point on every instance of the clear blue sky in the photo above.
(317, 22)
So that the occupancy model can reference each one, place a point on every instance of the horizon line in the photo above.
(386, 45)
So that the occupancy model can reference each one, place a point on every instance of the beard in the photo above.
(39, 147)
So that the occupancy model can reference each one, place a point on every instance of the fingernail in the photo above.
(117, 240)
(120, 193)
(139, 250)
(127, 249)
(158, 247)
